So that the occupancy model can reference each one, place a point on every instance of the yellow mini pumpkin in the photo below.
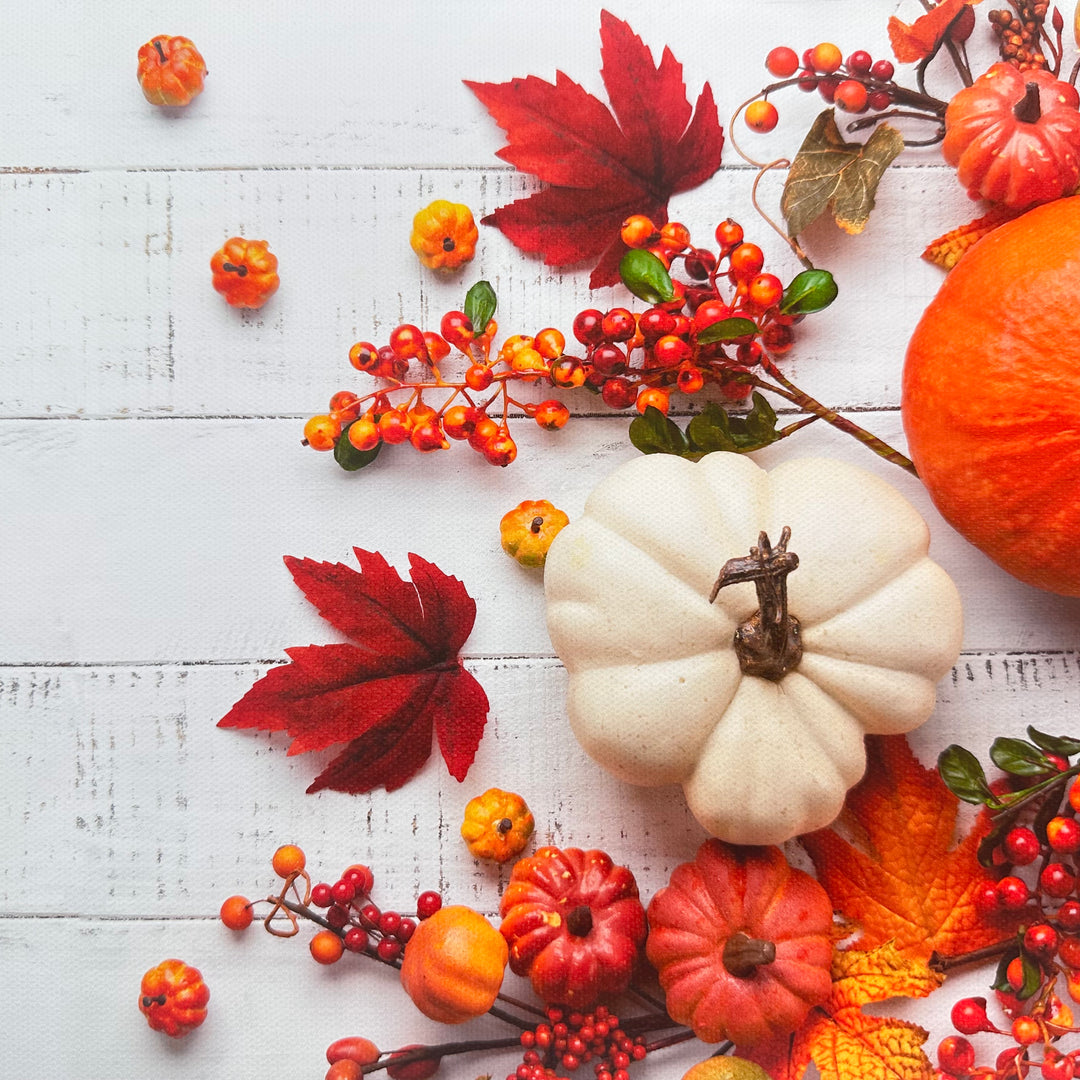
(497, 825)
(528, 529)
(444, 235)
(454, 964)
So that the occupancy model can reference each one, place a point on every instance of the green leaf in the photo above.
(760, 422)
(1019, 758)
(726, 330)
(710, 430)
(351, 459)
(480, 304)
(841, 177)
(646, 276)
(812, 290)
(653, 433)
(1054, 744)
(963, 775)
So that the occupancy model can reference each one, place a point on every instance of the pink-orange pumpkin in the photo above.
(742, 942)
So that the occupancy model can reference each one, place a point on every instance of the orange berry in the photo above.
(654, 396)
(407, 341)
(458, 421)
(567, 373)
(549, 343)
(674, 237)
(478, 377)
(764, 290)
(363, 434)
(288, 859)
(761, 116)
(528, 364)
(826, 58)
(344, 1069)
(1026, 1031)
(483, 432)
(321, 432)
(746, 261)
(513, 345)
(500, 449)
(638, 231)
(427, 436)
(364, 356)
(1074, 793)
(552, 415)
(394, 426)
(326, 947)
(236, 913)
(438, 348)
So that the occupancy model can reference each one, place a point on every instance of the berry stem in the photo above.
(796, 396)
(941, 964)
(441, 1050)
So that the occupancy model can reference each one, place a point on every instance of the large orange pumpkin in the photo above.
(991, 396)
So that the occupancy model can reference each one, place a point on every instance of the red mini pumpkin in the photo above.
(173, 998)
(171, 70)
(1014, 137)
(245, 272)
(742, 942)
(574, 924)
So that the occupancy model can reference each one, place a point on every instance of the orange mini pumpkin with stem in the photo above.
(173, 998)
(171, 70)
(245, 272)
(497, 825)
(444, 235)
(526, 532)
(454, 964)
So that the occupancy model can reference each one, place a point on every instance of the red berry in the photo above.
(827, 87)
(670, 351)
(589, 326)
(728, 234)
(1026, 1031)
(746, 262)
(969, 1016)
(369, 917)
(1068, 916)
(782, 62)
(388, 950)
(654, 323)
(608, 359)
(1074, 793)
(412, 1070)
(1063, 835)
(860, 62)
(389, 921)
(1042, 940)
(1056, 880)
(337, 916)
(407, 342)
(882, 70)
(878, 100)
(457, 329)
(406, 929)
(689, 379)
(1021, 846)
(364, 356)
(320, 894)
(709, 312)
(1012, 893)
(356, 939)
(807, 81)
(618, 393)
(1069, 951)
(956, 1055)
(342, 892)
(619, 325)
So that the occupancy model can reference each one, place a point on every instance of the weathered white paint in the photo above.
(151, 480)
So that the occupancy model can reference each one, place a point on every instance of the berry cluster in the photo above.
(568, 1040)
(351, 921)
(1022, 39)
(857, 84)
(720, 322)
(1032, 853)
(356, 427)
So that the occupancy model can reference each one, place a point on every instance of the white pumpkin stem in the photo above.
(768, 644)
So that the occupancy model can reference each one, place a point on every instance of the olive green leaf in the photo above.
(726, 330)
(646, 276)
(842, 177)
(713, 429)
(962, 774)
(653, 433)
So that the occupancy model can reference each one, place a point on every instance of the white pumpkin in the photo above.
(657, 692)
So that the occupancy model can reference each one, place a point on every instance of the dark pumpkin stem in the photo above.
(1028, 110)
(579, 920)
(239, 271)
(160, 50)
(768, 644)
(743, 955)
(536, 524)
(148, 1001)
(503, 826)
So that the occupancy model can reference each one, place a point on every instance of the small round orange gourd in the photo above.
(991, 396)
(454, 964)
(444, 235)
(497, 825)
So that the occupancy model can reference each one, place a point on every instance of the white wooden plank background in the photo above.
(151, 479)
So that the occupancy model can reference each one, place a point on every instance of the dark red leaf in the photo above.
(604, 163)
(384, 695)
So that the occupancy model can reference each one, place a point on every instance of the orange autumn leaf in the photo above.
(844, 1043)
(909, 881)
(947, 250)
(916, 41)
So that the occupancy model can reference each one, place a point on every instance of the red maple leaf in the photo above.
(383, 695)
(603, 164)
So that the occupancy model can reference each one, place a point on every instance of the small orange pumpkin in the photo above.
(528, 530)
(497, 825)
(742, 942)
(173, 998)
(1014, 137)
(245, 272)
(444, 235)
(454, 964)
(171, 70)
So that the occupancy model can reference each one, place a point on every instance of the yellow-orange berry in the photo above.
(321, 432)
(288, 859)
(654, 396)
(761, 116)
(363, 434)
(638, 231)
(552, 415)
(674, 237)
(549, 343)
(529, 364)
